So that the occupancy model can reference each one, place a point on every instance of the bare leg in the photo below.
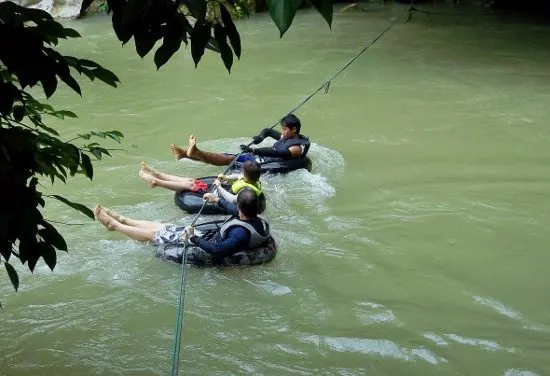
(132, 222)
(181, 153)
(178, 152)
(141, 234)
(216, 159)
(175, 186)
(161, 175)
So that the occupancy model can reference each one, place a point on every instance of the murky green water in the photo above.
(417, 245)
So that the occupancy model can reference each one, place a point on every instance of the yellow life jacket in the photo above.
(240, 184)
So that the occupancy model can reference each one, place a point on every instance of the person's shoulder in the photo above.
(240, 231)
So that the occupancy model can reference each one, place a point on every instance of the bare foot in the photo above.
(148, 178)
(104, 219)
(116, 215)
(150, 170)
(192, 147)
(178, 152)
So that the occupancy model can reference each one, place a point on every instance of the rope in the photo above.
(181, 300)
(429, 12)
(326, 84)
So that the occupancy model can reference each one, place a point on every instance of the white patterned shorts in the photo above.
(169, 234)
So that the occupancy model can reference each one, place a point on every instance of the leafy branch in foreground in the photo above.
(206, 24)
(29, 148)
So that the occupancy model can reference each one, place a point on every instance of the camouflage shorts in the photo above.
(196, 256)
(169, 234)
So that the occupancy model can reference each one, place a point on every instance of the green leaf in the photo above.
(113, 136)
(46, 128)
(61, 169)
(33, 258)
(39, 199)
(18, 113)
(175, 32)
(123, 31)
(282, 12)
(144, 41)
(98, 134)
(199, 38)
(106, 76)
(85, 136)
(12, 273)
(226, 53)
(96, 152)
(51, 29)
(48, 254)
(81, 208)
(65, 113)
(88, 63)
(104, 151)
(49, 84)
(231, 31)
(52, 236)
(71, 33)
(71, 82)
(117, 133)
(165, 52)
(86, 164)
(197, 9)
(45, 162)
(9, 94)
(325, 8)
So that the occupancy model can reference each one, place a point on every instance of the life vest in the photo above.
(286, 143)
(256, 239)
(240, 184)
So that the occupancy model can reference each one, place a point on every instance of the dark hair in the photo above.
(291, 121)
(248, 203)
(252, 170)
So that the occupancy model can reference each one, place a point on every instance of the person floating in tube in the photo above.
(245, 231)
(228, 186)
(290, 145)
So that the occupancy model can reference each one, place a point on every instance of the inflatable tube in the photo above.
(198, 257)
(279, 167)
(191, 202)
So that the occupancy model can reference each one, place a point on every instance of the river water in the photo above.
(418, 244)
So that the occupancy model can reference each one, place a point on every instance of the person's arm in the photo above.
(268, 152)
(230, 177)
(236, 240)
(225, 194)
(229, 207)
(266, 132)
(269, 132)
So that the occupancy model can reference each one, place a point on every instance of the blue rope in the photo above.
(181, 301)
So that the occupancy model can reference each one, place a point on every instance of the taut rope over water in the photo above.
(181, 301)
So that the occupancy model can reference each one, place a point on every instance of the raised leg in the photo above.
(175, 186)
(133, 222)
(161, 175)
(137, 233)
(216, 159)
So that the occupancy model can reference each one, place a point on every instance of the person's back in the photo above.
(251, 172)
(251, 178)
(245, 231)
